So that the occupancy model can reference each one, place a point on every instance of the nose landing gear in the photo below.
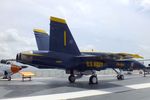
(120, 76)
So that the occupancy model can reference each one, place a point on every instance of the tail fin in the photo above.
(42, 39)
(61, 39)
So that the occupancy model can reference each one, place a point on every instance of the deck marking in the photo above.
(86, 93)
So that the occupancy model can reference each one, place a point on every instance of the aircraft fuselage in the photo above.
(50, 59)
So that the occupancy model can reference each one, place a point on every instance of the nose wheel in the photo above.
(120, 77)
(93, 79)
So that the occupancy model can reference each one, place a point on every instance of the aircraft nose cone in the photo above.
(139, 65)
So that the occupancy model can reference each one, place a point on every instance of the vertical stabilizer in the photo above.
(42, 39)
(61, 39)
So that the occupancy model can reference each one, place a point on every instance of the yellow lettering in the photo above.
(94, 64)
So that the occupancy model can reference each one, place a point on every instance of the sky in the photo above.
(102, 25)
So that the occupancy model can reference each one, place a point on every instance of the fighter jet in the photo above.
(63, 53)
(42, 40)
(7, 68)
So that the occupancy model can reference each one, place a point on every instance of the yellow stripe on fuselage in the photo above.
(32, 54)
(59, 20)
(58, 62)
(65, 38)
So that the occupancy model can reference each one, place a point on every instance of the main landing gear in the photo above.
(92, 80)
(72, 78)
(120, 76)
(8, 78)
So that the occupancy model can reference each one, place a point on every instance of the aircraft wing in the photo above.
(128, 55)
(6, 61)
(114, 56)
(11, 61)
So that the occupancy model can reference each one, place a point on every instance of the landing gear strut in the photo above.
(7, 76)
(120, 76)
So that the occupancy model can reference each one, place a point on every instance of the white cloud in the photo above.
(12, 42)
(124, 2)
(145, 4)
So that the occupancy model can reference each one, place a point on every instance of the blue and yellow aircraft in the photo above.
(42, 40)
(60, 51)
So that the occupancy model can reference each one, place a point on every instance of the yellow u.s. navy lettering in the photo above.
(95, 64)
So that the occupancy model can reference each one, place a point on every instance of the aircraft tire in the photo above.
(120, 77)
(71, 78)
(93, 79)
(5, 77)
(9, 78)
